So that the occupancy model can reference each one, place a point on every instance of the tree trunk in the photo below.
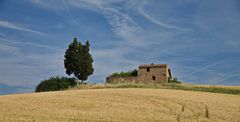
(77, 81)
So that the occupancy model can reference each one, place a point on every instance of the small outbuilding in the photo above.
(147, 73)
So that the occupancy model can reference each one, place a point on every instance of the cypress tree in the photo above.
(78, 60)
(71, 55)
(87, 62)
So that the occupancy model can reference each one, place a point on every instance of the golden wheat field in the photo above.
(120, 105)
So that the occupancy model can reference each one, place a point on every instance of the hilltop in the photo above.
(127, 104)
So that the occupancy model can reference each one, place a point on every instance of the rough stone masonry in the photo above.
(147, 73)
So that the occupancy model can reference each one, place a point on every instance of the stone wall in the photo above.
(160, 74)
(146, 74)
(119, 79)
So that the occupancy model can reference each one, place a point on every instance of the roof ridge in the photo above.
(152, 65)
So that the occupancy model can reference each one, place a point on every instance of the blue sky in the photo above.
(198, 39)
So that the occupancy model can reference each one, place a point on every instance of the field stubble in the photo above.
(128, 104)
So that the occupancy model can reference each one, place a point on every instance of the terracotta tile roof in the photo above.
(152, 65)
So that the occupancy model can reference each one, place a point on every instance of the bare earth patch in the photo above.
(120, 105)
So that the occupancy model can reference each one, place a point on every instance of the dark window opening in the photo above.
(148, 69)
(153, 77)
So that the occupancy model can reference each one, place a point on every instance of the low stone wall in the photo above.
(119, 79)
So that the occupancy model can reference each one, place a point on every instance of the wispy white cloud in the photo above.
(201, 69)
(69, 12)
(116, 62)
(4, 48)
(124, 27)
(154, 20)
(122, 24)
(23, 64)
(15, 26)
(20, 70)
(167, 43)
(48, 4)
(232, 44)
(2, 35)
(224, 76)
(15, 42)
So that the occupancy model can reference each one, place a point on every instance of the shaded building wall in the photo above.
(167, 74)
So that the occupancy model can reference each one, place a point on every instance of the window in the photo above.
(153, 77)
(148, 69)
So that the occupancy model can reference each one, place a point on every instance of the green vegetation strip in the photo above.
(210, 88)
(214, 89)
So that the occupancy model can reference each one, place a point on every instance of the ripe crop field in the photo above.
(121, 105)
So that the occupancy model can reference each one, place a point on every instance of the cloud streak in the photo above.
(225, 76)
(22, 63)
(154, 20)
(69, 12)
(123, 26)
(10, 25)
(203, 68)
(15, 42)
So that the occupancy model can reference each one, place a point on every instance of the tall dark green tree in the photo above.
(78, 60)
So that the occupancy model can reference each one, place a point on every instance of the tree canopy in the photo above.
(78, 60)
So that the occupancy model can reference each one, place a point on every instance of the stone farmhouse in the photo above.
(147, 73)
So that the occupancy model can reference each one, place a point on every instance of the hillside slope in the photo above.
(120, 105)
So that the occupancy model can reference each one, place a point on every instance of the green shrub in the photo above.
(174, 80)
(122, 74)
(134, 73)
(55, 84)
